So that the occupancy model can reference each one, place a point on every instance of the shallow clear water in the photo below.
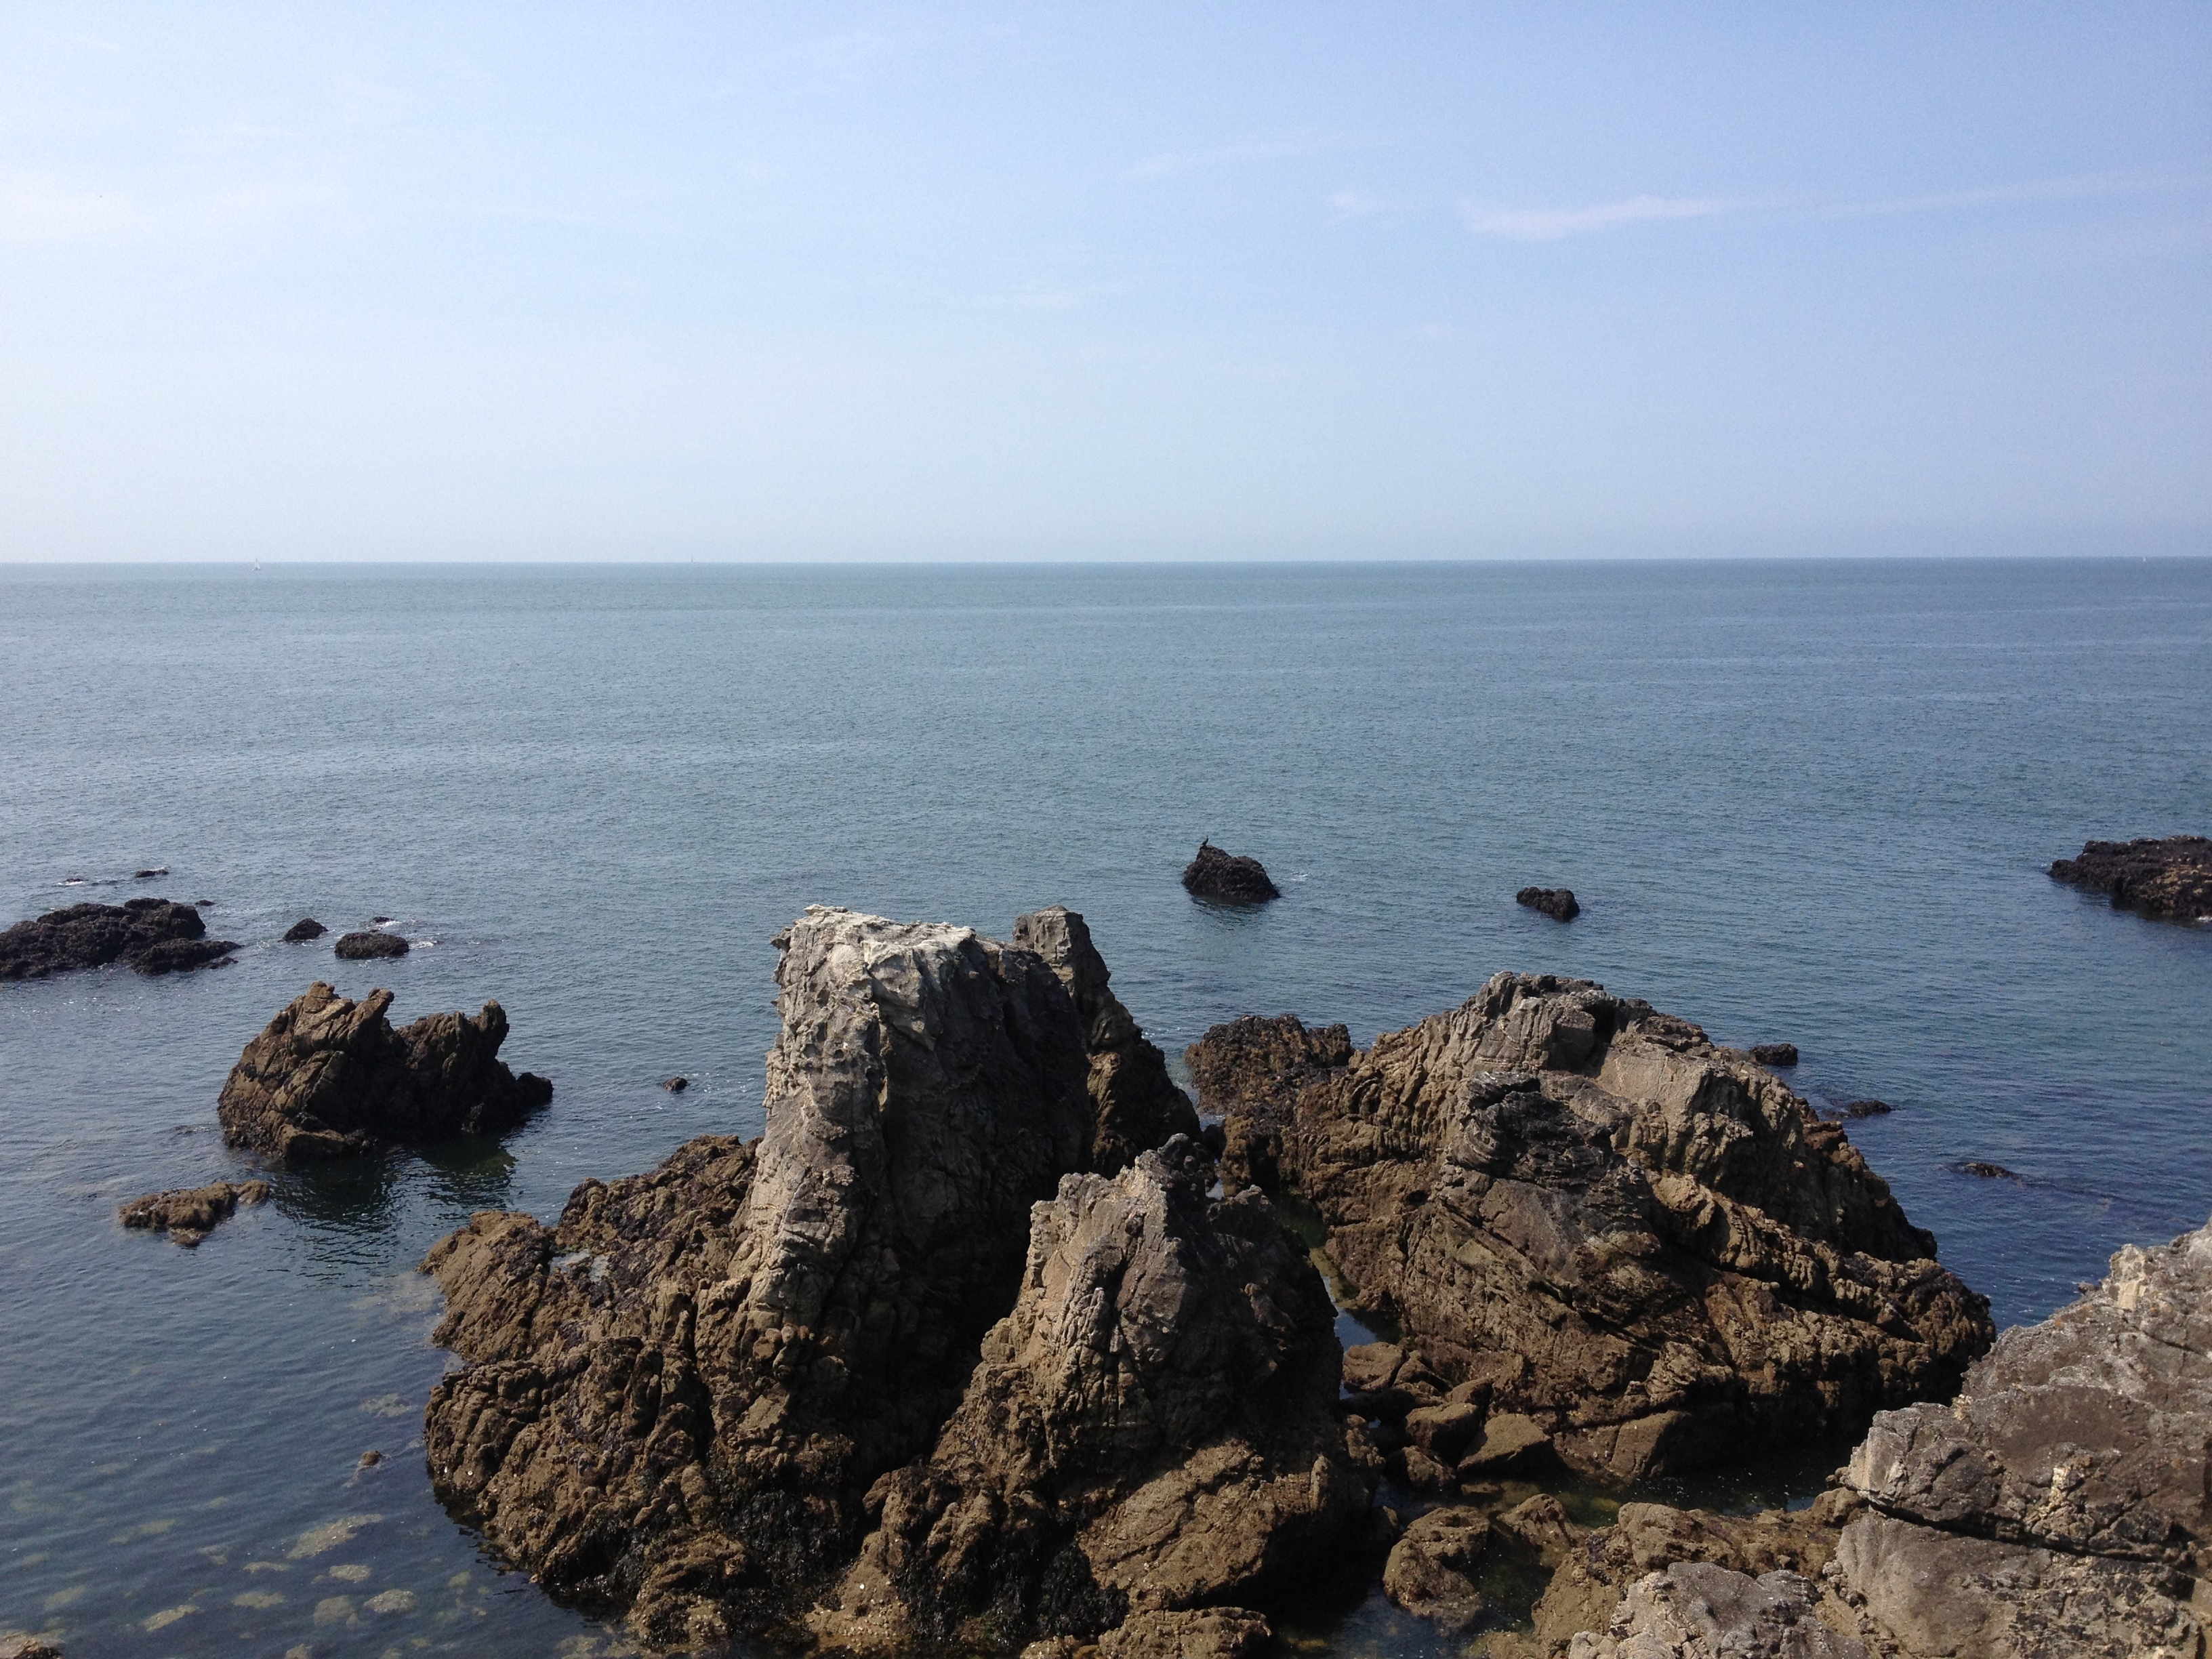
(1810, 801)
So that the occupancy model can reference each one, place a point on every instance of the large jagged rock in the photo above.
(151, 935)
(2171, 877)
(1151, 1431)
(1243, 1068)
(2062, 1502)
(1133, 1102)
(1645, 1244)
(330, 1078)
(679, 1399)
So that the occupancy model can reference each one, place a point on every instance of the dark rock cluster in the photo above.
(330, 1078)
(1227, 878)
(368, 945)
(2170, 878)
(150, 935)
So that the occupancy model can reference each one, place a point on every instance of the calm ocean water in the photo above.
(1803, 801)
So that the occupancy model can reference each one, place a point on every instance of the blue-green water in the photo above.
(1803, 801)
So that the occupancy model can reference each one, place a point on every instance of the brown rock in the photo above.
(1133, 1104)
(1650, 1245)
(1694, 1610)
(1431, 1572)
(1204, 1633)
(684, 1398)
(1150, 1430)
(1775, 1053)
(151, 935)
(190, 1214)
(1510, 1441)
(1243, 1069)
(328, 1077)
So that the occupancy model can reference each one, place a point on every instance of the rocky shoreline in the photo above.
(2171, 878)
(978, 1350)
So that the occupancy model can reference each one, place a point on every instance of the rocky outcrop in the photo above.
(190, 1214)
(1243, 1069)
(1133, 1104)
(1150, 1432)
(369, 946)
(1227, 878)
(303, 930)
(1645, 1245)
(680, 1399)
(330, 1078)
(2060, 1503)
(2171, 877)
(1775, 1053)
(1557, 903)
(151, 935)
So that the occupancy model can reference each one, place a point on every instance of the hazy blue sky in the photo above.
(674, 281)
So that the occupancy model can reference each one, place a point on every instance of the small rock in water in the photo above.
(190, 1214)
(148, 875)
(1867, 1109)
(15, 1645)
(369, 1459)
(1775, 1053)
(303, 930)
(1987, 1172)
(675, 1086)
(378, 922)
(363, 947)
(1557, 903)
(204, 904)
(1229, 877)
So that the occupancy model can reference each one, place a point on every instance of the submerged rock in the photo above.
(1985, 1172)
(2171, 877)
(1150, 1431)
(328, 1077)
(1645, 1246)
(190, 1214)
(1133, 1104)
(675, 1086)
(303, 930)
(152, 935)
(368, 946)
(1557, 903)
(1230, 878)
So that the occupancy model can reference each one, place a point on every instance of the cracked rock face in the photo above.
(150, 935)
(679, 1400)
(1133, 1104)
(1149, 1432)
(1646, 1245)
(2060, 1503)
(330, 1078)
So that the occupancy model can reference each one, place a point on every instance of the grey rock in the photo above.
(369, 946)
(1557, 903)
(152, 935)
(303, 930)
(1227, 878)
(1696, 1610)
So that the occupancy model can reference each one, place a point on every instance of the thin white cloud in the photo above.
(1266, 146)
(1550, 224)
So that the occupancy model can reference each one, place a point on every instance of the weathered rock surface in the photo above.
(190, 1214)
(1431, 1570)
(1230, 878)
(330, 1078)
(1243, 1068)
(1557, 903)
(1151, 1431)
(1644, 1244)
(1133, 1104)
(2060, 1503)
(369, 946)
(683, 1399)
(152, 935)
(1775, 1053)
(2171, 877)
(1694, 1610)
(303, 930)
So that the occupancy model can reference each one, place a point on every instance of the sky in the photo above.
(672, 281)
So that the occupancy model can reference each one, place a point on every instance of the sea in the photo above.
(1797, 800)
